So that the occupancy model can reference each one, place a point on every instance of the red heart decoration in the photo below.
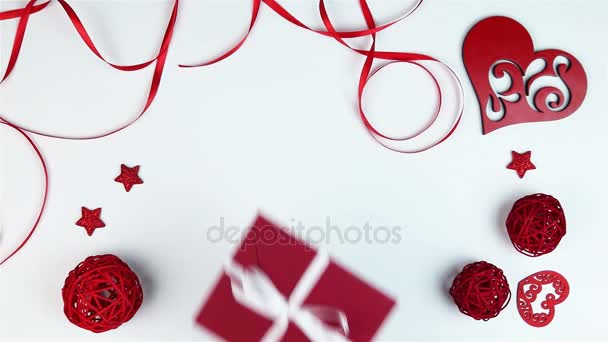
(532, 286)
(544, 85)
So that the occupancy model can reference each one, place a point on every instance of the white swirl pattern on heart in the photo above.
(545, 90)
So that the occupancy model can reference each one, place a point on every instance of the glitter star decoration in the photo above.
(521, 163)
(90, 220)
(128, 176)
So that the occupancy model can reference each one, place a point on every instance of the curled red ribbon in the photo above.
(366, 72)
(160, 59)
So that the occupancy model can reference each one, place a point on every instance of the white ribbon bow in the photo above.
(254, 289)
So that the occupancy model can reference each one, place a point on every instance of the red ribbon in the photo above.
(403, 57)
(330, 31)
(366, 73)
(160, 59)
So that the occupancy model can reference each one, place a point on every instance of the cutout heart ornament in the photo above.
(515, 84)
(529, 290)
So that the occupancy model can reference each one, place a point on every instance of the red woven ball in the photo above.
(481, 290)
(101, 293)
(536, 224)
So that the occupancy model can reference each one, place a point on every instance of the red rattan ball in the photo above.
(101, 293)
(536, 224)
(481, 290)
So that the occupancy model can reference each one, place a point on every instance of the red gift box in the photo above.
(285, 260)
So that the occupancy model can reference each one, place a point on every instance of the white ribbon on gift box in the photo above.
(253, 289)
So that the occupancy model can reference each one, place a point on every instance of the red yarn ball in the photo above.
(536, 224)
(101, 293)
(481, 290)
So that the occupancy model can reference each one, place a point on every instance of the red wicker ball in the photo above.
(101, 293)
(536, 224)
(481, 290)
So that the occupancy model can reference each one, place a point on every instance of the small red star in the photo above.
(90, 220)
(129, 176)
(521, 163)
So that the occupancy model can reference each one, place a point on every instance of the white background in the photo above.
(275, 128)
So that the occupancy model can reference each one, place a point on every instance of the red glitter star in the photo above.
(521, 163)
(129, 176)
(90, 220)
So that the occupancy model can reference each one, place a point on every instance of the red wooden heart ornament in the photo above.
(528, 291)
(515, 84)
